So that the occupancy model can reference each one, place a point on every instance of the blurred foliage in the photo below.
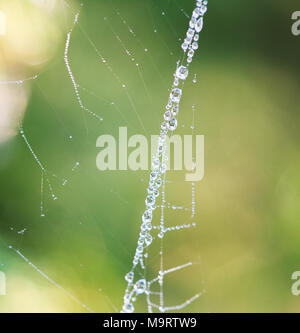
(246, 245)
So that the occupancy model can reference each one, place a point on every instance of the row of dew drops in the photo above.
(189, 46)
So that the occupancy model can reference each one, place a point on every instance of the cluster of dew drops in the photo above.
(189, 46)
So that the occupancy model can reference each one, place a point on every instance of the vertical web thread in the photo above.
(157, 183)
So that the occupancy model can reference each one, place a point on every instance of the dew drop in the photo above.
(167, 115)
(129, 277)
(172, 125)
(128, 308)
(160, 235)
(147, 216)
(140, 286)
(150, 200)
(190, 33)
(182, 72)
(148, 240)
(195, 46)
(196, 12)
(184, 46)
(199, 25)
(176, 95)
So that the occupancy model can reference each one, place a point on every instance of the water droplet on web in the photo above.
(199, 25)
(158, 182)
(195, 45)
(190, 33)
(188, 40)
(192, 22)
(150, 200)
(153, 174)
(129, 277)
(160, 235)
(155, 164)
(128, 308)
(141, 241)
(175, 110)
(139, 249)
(147, 216)
(75, 166)
(182, 72)
(167, 115)
(140, 286)
(172, 125)
(148, 240)
(196, 12)
(191, 53)
(176, 95)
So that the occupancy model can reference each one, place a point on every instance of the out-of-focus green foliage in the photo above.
(246, 245)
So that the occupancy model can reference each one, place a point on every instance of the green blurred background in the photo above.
(246, 244)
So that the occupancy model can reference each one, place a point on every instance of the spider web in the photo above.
(92, 108)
